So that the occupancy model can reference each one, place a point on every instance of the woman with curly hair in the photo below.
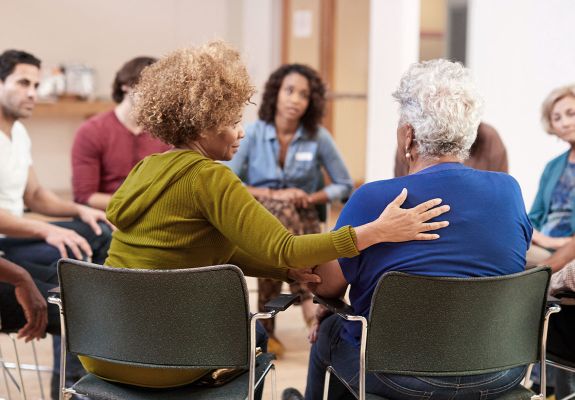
(184, 209)
(281, 161)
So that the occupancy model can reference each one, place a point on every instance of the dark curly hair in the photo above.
(129, 75)
(316, 107)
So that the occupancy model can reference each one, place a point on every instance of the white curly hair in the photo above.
(439, 100)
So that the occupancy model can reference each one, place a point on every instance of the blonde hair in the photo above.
(191, 91)
(549, 103)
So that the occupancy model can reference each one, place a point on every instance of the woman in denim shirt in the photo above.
(280, 161)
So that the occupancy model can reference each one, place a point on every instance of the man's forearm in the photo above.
(12, 273)
(14, 226)
(99, 200)
(45, 202)
(333, 283)
(561, 257)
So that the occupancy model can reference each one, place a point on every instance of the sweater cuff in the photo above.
(344, 240)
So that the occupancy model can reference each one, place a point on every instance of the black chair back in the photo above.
(181, 318)
(456, 326)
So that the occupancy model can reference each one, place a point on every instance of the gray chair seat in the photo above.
(99, 389)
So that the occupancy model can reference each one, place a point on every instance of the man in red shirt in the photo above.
(107, 146)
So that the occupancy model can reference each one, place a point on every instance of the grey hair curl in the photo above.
(440, 101)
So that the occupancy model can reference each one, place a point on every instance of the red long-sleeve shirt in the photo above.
(104, 153)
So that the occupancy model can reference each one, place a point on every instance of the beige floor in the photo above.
(291, 369)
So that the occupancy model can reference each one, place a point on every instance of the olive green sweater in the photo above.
(182, 210)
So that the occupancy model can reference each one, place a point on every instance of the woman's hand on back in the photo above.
(396, 224)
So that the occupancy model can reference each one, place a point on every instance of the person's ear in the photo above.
(409, 138)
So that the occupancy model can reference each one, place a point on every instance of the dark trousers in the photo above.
(24, 251)
(12, 318)
(331, 349)
(11, 314)
(40, 259)
(560, 343)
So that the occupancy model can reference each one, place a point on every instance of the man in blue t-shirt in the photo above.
(488, 233)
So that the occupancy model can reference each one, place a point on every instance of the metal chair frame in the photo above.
(555, 362)
(19, 367)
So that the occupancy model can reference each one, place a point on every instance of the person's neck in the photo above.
(194, 146)
(6, 124)
(123, 112)
(571, 157)
(285, 127)
(419, 163)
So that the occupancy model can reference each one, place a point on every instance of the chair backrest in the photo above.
(422, 325)
(181, 318)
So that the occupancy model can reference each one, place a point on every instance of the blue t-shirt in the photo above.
(488, 233)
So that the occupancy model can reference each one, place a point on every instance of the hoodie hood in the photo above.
(147, 182)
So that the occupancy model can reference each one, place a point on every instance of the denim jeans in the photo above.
(37, 251)
(330, 349)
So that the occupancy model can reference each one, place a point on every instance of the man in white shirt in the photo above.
(23, 240)
(30, 240)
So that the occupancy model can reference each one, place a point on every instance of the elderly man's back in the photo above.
(488, 235)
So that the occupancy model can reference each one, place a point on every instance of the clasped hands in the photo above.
(293, 195)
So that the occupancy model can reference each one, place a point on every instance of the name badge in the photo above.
(304, 156)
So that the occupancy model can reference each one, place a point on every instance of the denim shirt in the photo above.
(257, 161)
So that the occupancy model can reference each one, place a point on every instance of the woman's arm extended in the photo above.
(226, 203)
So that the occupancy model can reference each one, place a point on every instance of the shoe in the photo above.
(549, 390)
(276, 347)
(291, 394)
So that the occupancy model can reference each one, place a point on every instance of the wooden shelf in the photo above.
(71, 108)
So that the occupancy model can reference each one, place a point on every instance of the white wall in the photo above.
(519, 50)
(106, 33)
(261, 43)
(393, 46)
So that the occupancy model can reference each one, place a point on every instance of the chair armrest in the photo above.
(336, 306)
(281, 303)
(560, 299)
(54, 296)
(565, 294)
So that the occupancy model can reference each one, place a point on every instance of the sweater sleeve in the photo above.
(253, 266)
(226, 203)
(537, 212)
(86, 163)
(341, 183)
